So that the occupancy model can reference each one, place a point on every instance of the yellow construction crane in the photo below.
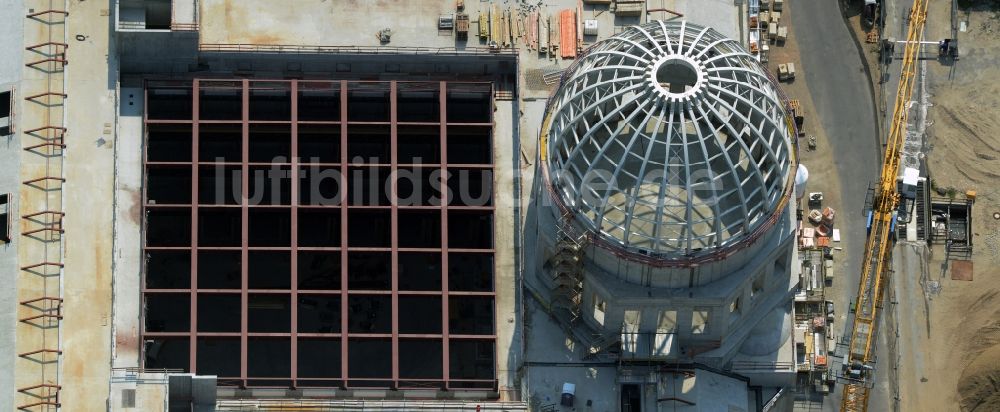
(859, 362)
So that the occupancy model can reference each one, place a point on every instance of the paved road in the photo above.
(843, 100)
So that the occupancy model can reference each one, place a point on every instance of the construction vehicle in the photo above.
(859, 361)
(786, 71)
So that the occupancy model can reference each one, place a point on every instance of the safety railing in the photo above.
(300, 49)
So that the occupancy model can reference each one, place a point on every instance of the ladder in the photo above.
(37, 375)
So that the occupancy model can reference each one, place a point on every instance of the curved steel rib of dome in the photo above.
(670, 140)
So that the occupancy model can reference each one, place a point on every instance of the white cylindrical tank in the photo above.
(801, 177)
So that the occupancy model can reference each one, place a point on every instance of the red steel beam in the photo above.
(445, 352)
(35, 352)
(49, 11)
(394, 228)
(345, 189)
(33, 181)
(35, 47)
(35, 96)
(38, 129)
(29, 267)
(294, 301)
(195, 201)
(44, 315)
(43, 298)
(48, 60)
(245, 236)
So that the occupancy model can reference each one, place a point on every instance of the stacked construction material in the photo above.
(567, 33)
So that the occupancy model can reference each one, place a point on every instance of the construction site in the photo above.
(573, 205)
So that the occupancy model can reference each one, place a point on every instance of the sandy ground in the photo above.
(962, 352)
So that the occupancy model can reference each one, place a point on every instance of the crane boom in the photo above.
(878, 245)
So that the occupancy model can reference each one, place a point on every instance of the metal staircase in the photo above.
(567, 274)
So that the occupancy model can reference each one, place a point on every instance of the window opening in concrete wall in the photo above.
(667, 322)
(158, 14)
(780, 270)
(631, 321)
(6, 109)
(757, 285)
(5, 104)
(387, 293)
(600, 309)
(735, 310)
(699, 320)
(5, 221)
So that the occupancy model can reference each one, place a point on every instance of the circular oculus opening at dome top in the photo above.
(677, 76)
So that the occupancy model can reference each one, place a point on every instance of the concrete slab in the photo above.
(127, 225)
(552, 358)
(89, 167)
(508, 310)
(328, 23)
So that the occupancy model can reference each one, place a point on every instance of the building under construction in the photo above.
(664, 210)
(218, 205)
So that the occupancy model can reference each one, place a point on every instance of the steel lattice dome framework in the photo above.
(670, 140)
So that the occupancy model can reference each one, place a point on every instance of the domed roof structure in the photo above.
(669, 139)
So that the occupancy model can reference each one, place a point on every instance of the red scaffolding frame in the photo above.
(348, 126)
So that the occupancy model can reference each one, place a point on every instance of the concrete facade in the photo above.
(11, 44)
(747, 289)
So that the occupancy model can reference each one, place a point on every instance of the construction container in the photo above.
(777, 5)
(786, 71)
(772, 31)
(775, 17)
(446, 22)
(629, 7)
(782, 33)
(765, 51)
(765, 18)
(590, 27)
(484, 26)
(462, 26)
